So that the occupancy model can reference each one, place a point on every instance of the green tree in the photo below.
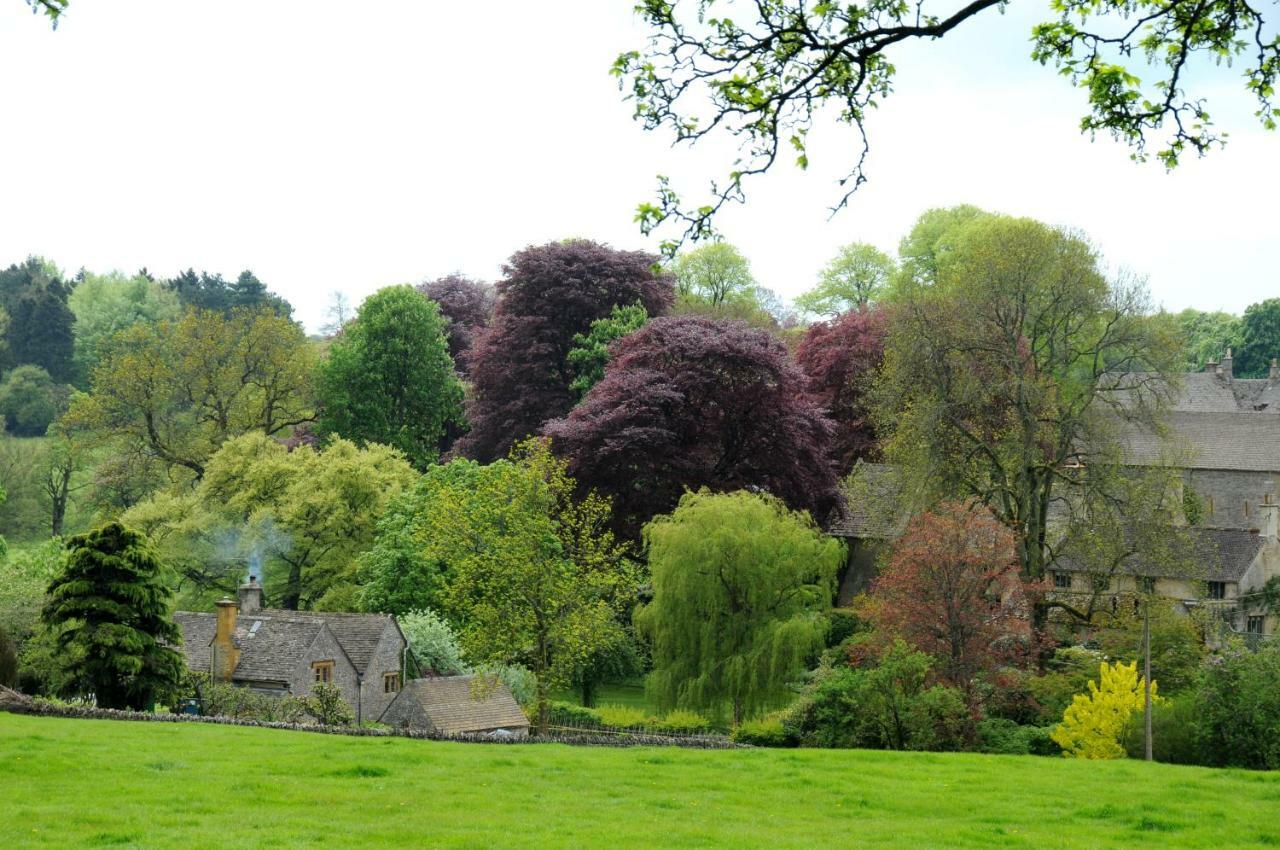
(111, 607)
(177, 390)
(106, 304)
(30, 401)
(715, 274)
(1207, 336)
(922, 251)
(533, 575)
(389, 378)
(761, 77)
(1011, 375)
(302, 516)
(1093, 724)
(855, 277)
(1259, 339)
(434, 643)
(1238, 708)
(24, 578)
(740, 585)
(591, 351)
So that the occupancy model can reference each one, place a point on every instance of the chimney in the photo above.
(1211, 367)
(1269, 516)
(224, 655)
(1274, 374)
(250, 595)
(1224, 368)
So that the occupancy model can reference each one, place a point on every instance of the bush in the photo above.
(1174, 733)
(8, 660)
(622, 716)
(998, 735)
(1092, 725)
(1238, 705)
(765, 732)
(886, 706)
(1069, 673)
(30, 401)
(328, 707)
(519, 680)
(681, 722)
(1177, 646)
(843, 623)
(571, 714)
(434, 642)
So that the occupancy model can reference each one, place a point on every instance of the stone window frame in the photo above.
(1145, 584)
(391, 683)
(1253, 624)
(322, 671)
(1216, 589)
(1062, 580)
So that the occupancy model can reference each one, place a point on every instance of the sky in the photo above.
(343, 146)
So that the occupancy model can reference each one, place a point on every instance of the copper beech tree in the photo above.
(952, 590)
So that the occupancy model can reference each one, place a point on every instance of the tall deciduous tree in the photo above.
(467, 305)
(389, 378)
(519, 368)
(854, 278)
(301, 516)
(763, 75)
(179, 389)
(840, 358)
(1259, 338)
(110, 607)
(739, 587)
(30, 401)
(1207, 336)
(715, 274)
(691, 402)
(951, 589)
(1011, 373)
(106, 304)
(533, 574)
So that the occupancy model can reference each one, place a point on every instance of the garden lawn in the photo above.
(91, 783)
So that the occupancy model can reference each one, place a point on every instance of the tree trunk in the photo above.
(293, 589)
(588, 692)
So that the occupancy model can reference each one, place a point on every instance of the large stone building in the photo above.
(286, 652)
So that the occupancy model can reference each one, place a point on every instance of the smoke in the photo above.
(248, 550)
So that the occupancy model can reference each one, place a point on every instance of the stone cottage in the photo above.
(456, 705)
(277, 652)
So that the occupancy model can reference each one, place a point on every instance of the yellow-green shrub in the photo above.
(1093, 724)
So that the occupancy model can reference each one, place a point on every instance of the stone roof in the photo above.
(272, 642)
(873, 504)
(1236, 441)
(1223, 554)
(455, 707)
(1209, 392)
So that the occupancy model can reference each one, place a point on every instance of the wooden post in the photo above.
(1146, 672)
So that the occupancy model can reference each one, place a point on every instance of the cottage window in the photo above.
(1246, 508)
(1062, 580)
(1146, 584)
(1217, 590)
(1254, 624)
(323, 671)
(390, 683)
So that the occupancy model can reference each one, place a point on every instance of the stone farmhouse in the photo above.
(1225, 436)
(366, 656)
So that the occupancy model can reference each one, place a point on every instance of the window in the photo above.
(1217, 590)
(1062, 580)
(1246, 508)
(1146, 584)
(323, 671)
(1254, 624)
(390, 683)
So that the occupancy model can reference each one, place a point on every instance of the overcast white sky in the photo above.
(348, 146)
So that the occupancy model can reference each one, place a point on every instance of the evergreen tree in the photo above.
(41, 325)
(110, 606)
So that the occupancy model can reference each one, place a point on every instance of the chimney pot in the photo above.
(1225, 368)
(1274, 373)
(250, 596)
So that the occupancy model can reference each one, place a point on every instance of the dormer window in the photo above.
(323, 672)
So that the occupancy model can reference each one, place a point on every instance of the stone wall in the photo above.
(386, 659)
(326, 648)
(1226, 493)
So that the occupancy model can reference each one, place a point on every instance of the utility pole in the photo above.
(1146, 671)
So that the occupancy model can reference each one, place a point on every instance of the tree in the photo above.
(532, 572)
(1238, 708)
(951, 589)
(298, 518)
(715, 274)
(925, 248)
(337, 314)
(106, 304)
(111, 605)
(1008, 379)
(519, 367)
(691, 402)
(468, 306)
(854, 278)
(179, 389)
(30, 401)
(433, 642)
(1259, 338)
(389, 378)
(206, 291)
(1092, 725)
(65, 455)
(840, 357)
(1207, 336)
(41, 325)
(591, 352)
(740, 584)
(761, 78)
(1177, 641)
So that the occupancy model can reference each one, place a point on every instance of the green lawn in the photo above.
(90, 783)
(621, 693)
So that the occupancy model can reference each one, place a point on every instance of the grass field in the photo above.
(92, 783)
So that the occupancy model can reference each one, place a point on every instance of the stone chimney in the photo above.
(1273, 374)
(1211, 366)
(1269, 517)
(250, 595)
(1225, 368)
(224, 654)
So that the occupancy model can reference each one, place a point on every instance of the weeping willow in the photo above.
(740, 585)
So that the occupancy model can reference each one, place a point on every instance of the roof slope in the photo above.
(873, 504)
(455, 707)
(1235, 441)
(1223, 554)
(272, 648)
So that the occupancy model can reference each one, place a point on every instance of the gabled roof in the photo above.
(1209, 392)
(873, 505)
(1223, 554)
(197, 633)
(271, 649)
(455, 707)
